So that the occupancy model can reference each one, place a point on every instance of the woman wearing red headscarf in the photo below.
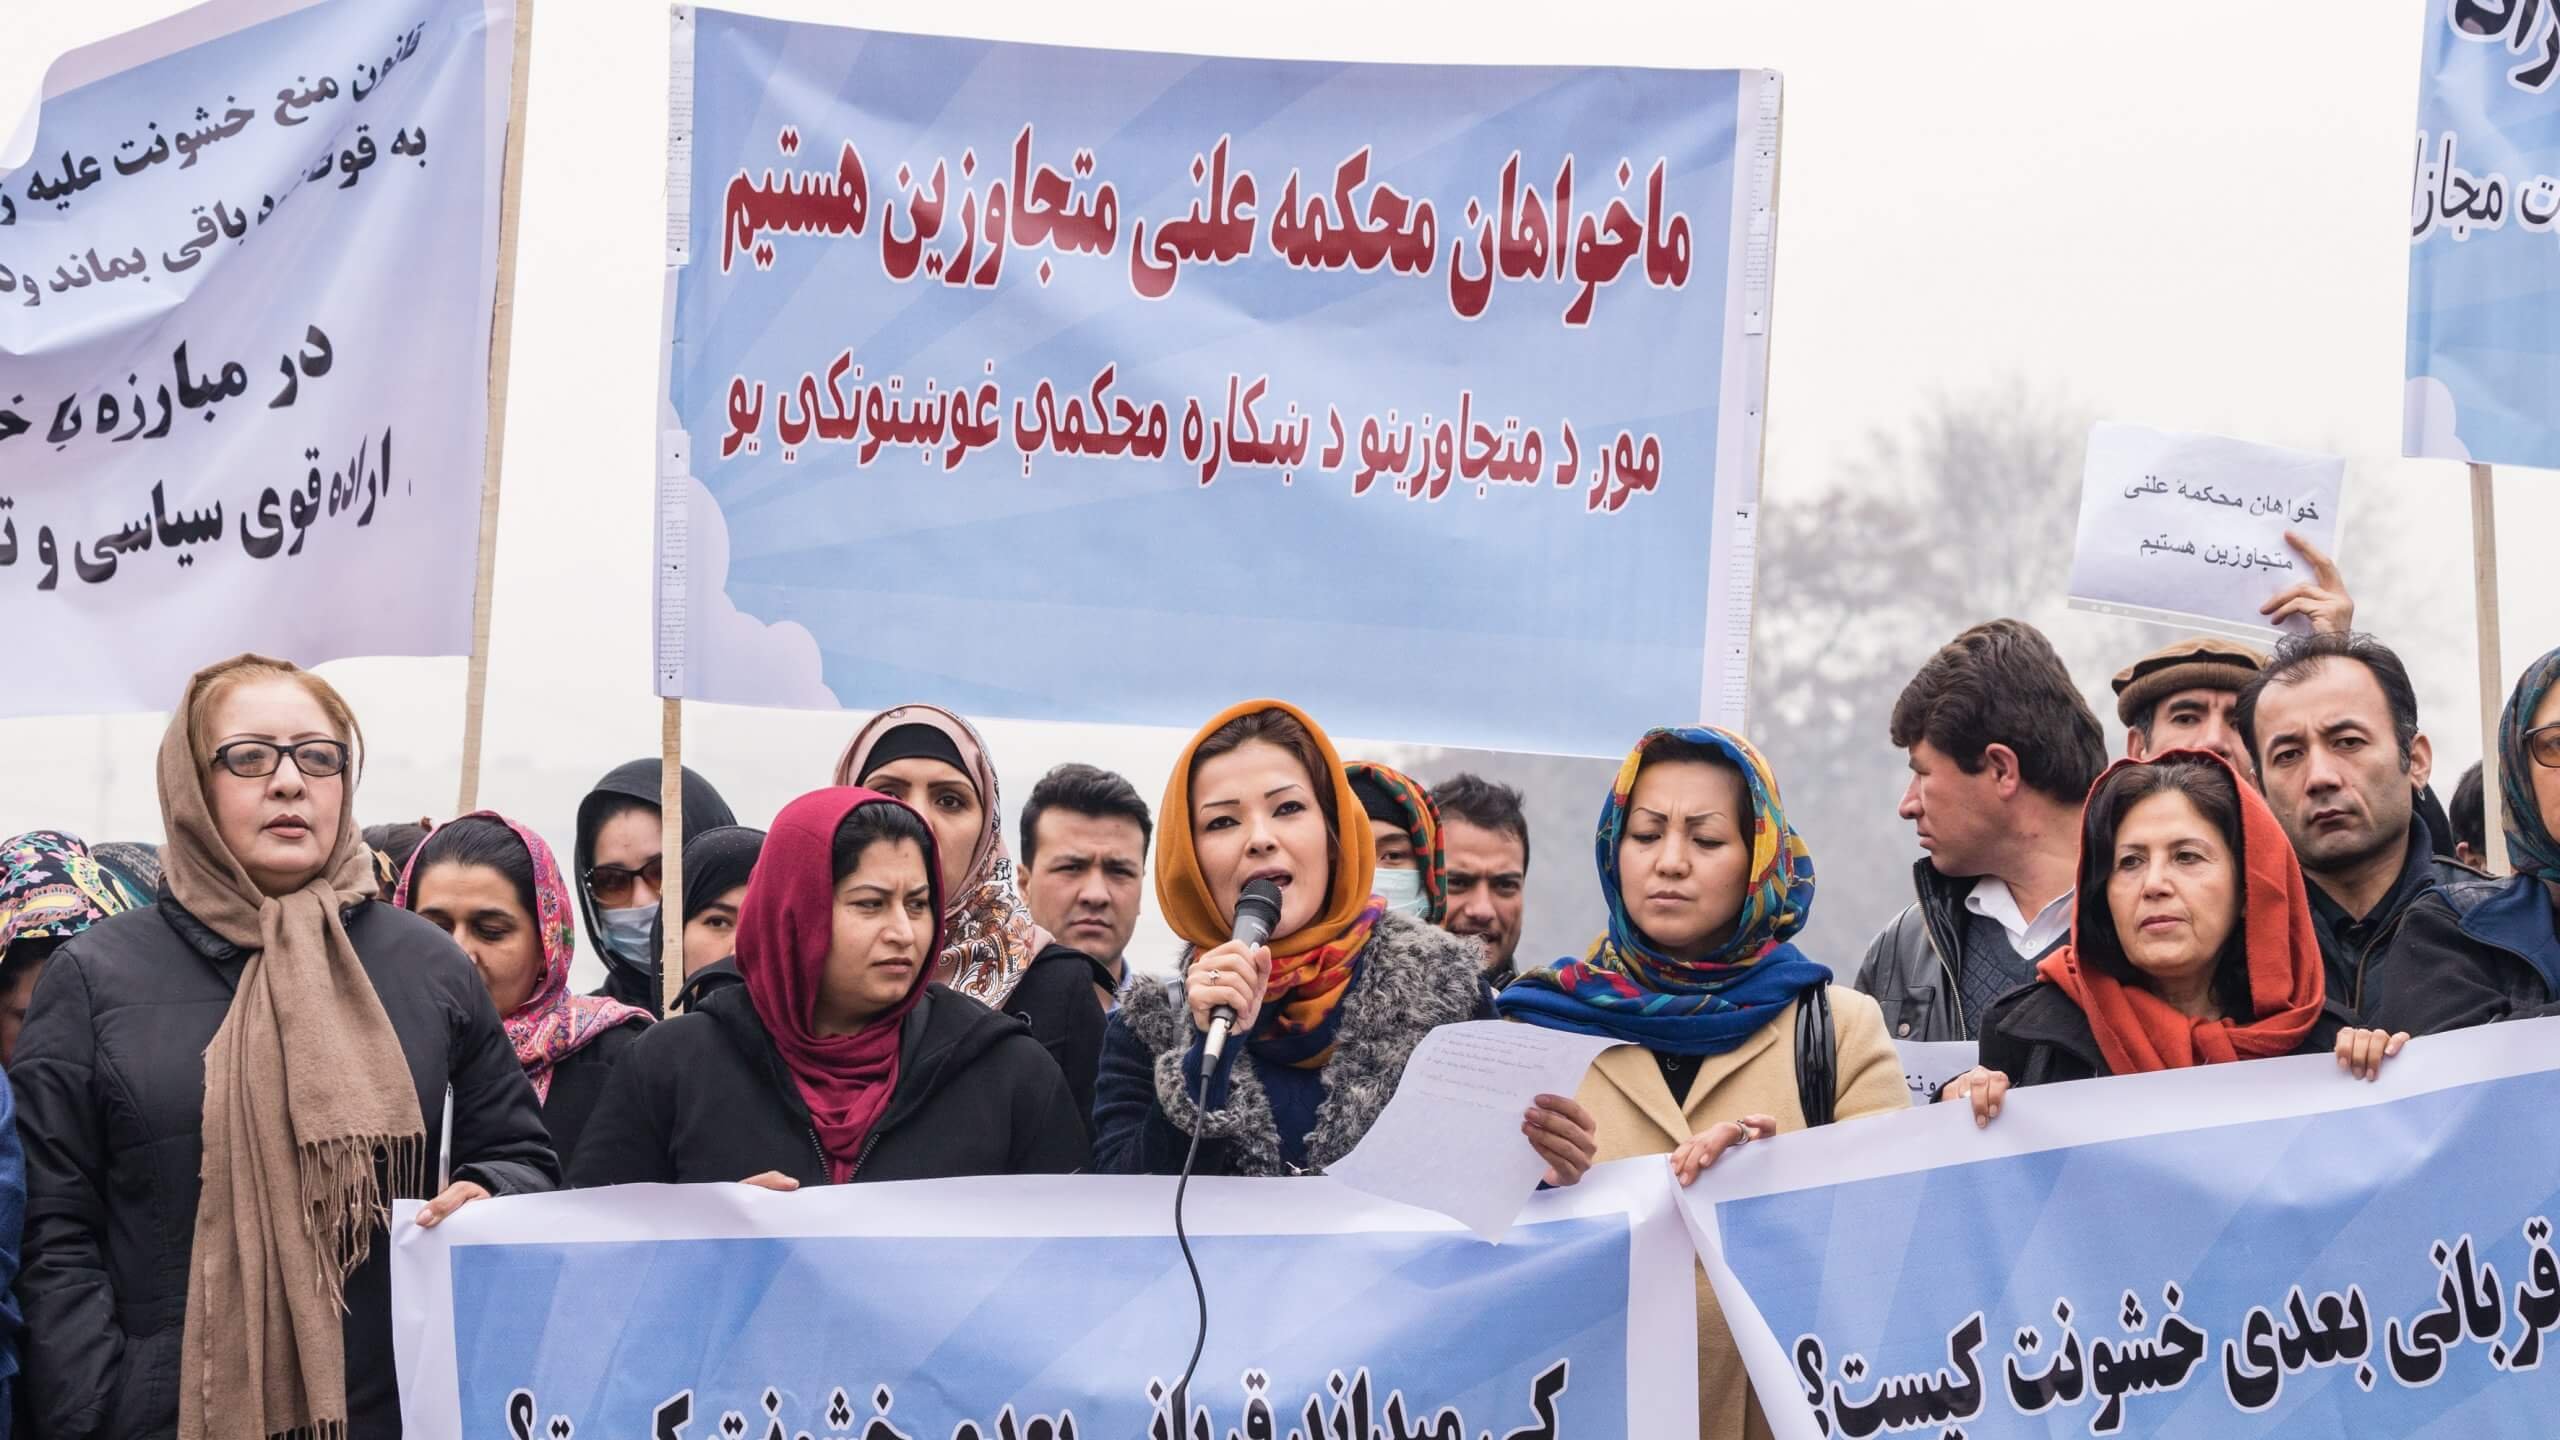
(839, 1059)
(2193, 945)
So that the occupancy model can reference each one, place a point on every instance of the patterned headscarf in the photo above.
(1628, 990)
(989, 937)
(52, 887)
(1422, 821)
(552, 1024)
(2531, 849)
(1313, 967)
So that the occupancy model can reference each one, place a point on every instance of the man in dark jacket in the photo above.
(2002, 751)
(110, 1079)
(2470, 952)
(2332, 726)
(620, 863)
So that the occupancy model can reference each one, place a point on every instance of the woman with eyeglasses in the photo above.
(221, 1095)
(621, 863)
(2478, 951)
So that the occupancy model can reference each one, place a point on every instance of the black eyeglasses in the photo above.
(611, 884)
(2543, 744)
(257, 759)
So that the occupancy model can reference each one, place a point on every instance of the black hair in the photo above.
(612, 805)
(870, 823)
(396, 843)
(2470, 815)
(1485, 804)
(25, 954)
(478, 840)
(1087, 790)
(1675, 749)
(2299, 655)
(2001, 683)
(2210, 788)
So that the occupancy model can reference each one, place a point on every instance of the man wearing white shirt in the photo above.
(2002, 751)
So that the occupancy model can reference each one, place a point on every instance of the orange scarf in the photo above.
(1311, 968)
(2139, 1032)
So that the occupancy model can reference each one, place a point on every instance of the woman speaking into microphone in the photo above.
(1325, 1014)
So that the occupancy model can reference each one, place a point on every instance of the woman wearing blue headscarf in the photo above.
(2478, 951)
(1707, 885)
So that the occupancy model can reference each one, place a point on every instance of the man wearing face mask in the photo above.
(620, 866)
(1407, 826)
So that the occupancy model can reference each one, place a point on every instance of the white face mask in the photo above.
(626, 932)
(1402, 890)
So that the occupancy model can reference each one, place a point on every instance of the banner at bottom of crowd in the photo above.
(2272, 1249)
(1043, 1308)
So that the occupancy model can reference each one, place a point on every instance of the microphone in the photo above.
(1257, 910)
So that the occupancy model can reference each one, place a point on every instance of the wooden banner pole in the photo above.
(2484, 570)
(671, 842)
(502, 314)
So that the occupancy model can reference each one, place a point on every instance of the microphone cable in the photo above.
(1200, 1292)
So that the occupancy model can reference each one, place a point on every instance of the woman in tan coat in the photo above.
(1705, 883)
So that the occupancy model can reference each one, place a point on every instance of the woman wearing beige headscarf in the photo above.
(257, 1063)
(934, 762)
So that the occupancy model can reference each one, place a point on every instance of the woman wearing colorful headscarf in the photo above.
(2191, 944)
(933, 761)
(1706, 885)
(221, 1095)
(838, 1059)
(1326, 1014)
(52, 887)
(2478, 951)
(493, 886)
(1406, 826)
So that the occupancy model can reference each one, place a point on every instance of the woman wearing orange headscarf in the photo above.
(2192, 945)
(1326, 1013)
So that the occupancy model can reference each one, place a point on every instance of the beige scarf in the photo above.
(307, 1102)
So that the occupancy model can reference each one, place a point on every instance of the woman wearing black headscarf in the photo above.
(620, 864)
(717, 864)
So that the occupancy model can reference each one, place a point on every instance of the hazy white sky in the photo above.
(2179, 213)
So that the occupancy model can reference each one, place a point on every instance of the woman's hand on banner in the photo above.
(2361, 1052)
(1985, 1088)
(1564, 1135)
(1699, 1151)
(455, 1196)
(772, 1180)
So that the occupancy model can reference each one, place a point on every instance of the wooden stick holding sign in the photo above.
(2484, 605)
(671, 851)
(502, 317)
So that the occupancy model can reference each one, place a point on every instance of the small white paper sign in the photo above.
(2189, 529)
(1929, 1064)
(1449, 1139)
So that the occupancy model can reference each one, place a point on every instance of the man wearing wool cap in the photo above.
(2180, 698)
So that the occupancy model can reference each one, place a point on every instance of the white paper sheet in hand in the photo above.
(1449, 1139)
(2189, 529)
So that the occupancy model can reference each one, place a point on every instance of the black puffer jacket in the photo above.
(110, 1080)
(705, 1097)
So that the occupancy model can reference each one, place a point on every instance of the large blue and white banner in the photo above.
(1045, 1309)
(2249, 1250)
(1114, 386)
(247, 258)
(2484, 237)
